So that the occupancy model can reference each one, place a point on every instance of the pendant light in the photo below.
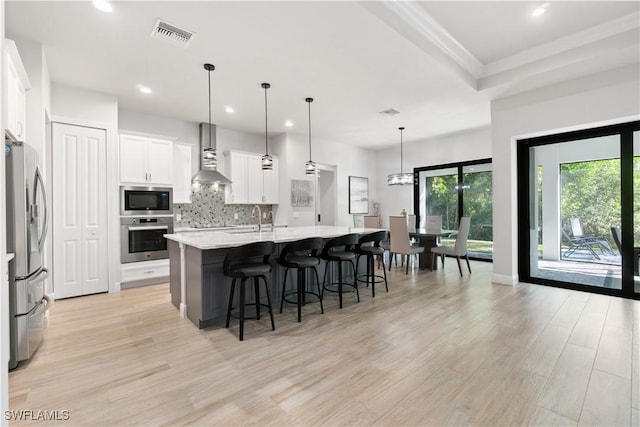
(401, 178)
(310, 166)
(208, 160)
(209, 157)
(267, 160)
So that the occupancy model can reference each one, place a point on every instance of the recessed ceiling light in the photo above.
(228, 109)
(144, 89)
(103, 6)
(288, 123)
(540, 10)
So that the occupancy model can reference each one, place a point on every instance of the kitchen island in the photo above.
(197, 284)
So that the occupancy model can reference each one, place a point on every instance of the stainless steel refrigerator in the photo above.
(26, 233)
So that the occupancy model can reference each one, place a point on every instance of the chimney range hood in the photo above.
(208, 174)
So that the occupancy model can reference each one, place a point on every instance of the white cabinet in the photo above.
(181, 173)
(271, 183)
(249, 183)
(143, 273)
(237, 191)
(146, 160)
(17, 86)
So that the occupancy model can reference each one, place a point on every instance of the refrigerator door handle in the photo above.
(38, 179)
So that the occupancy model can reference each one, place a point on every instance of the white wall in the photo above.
(38, 103)
(88, 108)
(458, 147)
(4, 291)
(349, 161)
(604, 98)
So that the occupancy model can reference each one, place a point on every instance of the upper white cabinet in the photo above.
(249, 183)
(236, 171)
(17, 86)
(146, 160)
(181, 173)
(271, 183)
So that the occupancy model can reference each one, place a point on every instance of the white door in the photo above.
(79, 211)
(326, 195)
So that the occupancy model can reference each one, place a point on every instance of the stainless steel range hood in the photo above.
(208, 175)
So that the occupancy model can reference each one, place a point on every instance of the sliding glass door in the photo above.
(579, 205)
(635, 260)
(455, 190)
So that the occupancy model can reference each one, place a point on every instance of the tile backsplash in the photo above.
(207, 209)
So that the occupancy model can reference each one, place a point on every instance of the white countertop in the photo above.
(181, 229)
(217, 239)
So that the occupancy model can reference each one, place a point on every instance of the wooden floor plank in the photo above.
(608, 401)
(567, 386)
(437, 349)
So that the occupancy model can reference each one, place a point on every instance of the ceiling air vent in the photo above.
(390, 112)
(170, 32)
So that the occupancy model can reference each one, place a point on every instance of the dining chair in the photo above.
(400, 242)
(411, 223)
(371, 221)
(459, 249)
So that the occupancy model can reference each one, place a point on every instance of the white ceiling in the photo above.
(355, 59)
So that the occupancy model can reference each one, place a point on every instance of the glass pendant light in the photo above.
(267, 160)
(208, 175)
(402, 178)
(310, 166)
(209, 158)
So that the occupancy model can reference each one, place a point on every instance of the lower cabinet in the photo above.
(143, 273)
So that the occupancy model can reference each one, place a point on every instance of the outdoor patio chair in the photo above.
(617, 238)
(579, 241)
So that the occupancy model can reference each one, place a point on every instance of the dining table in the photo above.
(429, 239)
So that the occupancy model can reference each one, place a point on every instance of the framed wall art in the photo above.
(358, 195)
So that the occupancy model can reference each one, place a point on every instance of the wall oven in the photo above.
(146, 201)
(141, 238)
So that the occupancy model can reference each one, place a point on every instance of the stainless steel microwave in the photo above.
(139, 201)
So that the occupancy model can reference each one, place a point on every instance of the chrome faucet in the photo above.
(253, 215)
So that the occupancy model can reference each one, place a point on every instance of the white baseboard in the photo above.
(503, 279)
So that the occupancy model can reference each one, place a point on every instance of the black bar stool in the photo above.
(238, 264)
(370, 245)
(301, 255)
(340, 249)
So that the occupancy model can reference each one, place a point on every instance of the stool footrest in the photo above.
(250, 307)
(295, 301)
(333, 287)
(363, 278)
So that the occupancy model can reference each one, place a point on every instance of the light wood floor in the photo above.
(436, 350)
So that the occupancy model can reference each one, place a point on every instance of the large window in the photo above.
(577, 204)
(455, 190)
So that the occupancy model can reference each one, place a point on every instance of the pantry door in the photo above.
(79, 211)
